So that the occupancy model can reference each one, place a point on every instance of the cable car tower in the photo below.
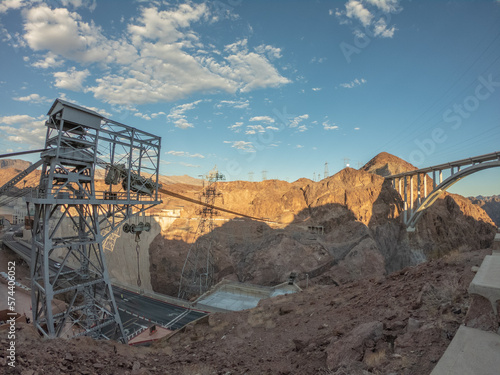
(72, 218)
(198, 271)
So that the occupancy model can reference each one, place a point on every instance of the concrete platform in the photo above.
(486, 283)
(471, 352)
(235, 296)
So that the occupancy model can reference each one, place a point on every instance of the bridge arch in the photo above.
(445, 185)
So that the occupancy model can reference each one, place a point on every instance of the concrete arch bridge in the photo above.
(419, 191)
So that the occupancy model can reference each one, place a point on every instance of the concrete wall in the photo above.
(124, 264)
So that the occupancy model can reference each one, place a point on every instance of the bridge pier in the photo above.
(416, 204)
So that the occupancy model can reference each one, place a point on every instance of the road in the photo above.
(137, 311)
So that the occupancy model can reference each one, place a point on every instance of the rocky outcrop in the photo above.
(385, 164)
(491, 205)
(340, 229)
(14, 163)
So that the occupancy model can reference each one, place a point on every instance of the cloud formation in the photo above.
(24, 129)
(353, 83)
(33, 98)
(242, 146)
(372, 15)
(159, 58)
(178, 115)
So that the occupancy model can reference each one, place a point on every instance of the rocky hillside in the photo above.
(398, 324)
(385, 164)
(489, 204)
(14, 163)
(337, 230)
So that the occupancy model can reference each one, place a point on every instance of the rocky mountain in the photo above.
(337, 230)
(14, 163)
(489, 204)
(385, 164)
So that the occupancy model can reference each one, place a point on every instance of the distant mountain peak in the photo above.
(385, 164)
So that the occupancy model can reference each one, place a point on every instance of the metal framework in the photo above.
(72, 219)
(415, 193)
(198, 271)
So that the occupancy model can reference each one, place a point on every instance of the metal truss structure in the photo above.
(72, 219)
(198, 270)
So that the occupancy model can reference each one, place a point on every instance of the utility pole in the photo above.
(264, 175)
(198, 271)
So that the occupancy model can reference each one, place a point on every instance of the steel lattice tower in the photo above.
(72, 219)
(198, 270)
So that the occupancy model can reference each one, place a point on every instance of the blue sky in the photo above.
(252, 86)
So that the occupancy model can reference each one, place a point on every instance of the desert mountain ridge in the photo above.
(378, 299)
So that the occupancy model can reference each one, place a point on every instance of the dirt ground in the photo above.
(399, 324)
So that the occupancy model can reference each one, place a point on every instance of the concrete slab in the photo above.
(486, 283)
(234, 296)
(471, 352)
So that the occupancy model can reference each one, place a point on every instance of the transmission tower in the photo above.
(264, 175)
(314, 176)
(346, 162)
(67, 195)
(198, 270)
(250, 176)
(326, 170)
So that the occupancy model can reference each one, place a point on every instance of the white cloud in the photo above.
(327, 126)
(71, 80)
(5, 5)
(299, 146)
(270, 51)
(184, 154)
(354, 9)
(356, 128)
(266, 119)
(387, 6)
(302, 128)
(272, 128)
(252, 129)
(178, 117)
(142, 115)
(239, 104)
(353, 83)
(155, 115)
(100, 111)
(236, 127)
(381, 29)
(16, 119)
(24, 129)
(49, 61)
(373, 20)
(242, 145)
(316, 88)
(156, 60)
(33, 98)
(89, 4)
(297, 120)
